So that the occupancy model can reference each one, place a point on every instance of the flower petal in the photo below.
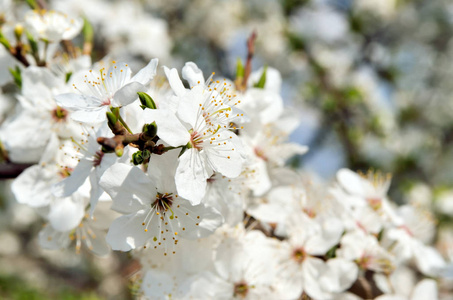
(145, 75)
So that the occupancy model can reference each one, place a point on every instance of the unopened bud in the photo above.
(112, 119)
(119, 150)
(150, 130)
(146, 100)
(18, 31)
(137, 158)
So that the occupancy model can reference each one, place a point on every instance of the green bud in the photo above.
(262, 82)
(115, 111)
(17, 76)
(146, 100)
(150, 130)
(146, 154)
(119, 150)
(111, 118)
(137, 158)
(18, 31)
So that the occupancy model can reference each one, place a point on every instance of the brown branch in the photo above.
(250, 53)
(12, 170)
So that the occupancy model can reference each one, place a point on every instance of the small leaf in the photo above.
(262, 82)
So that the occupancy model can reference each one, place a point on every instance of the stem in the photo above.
(124, 124)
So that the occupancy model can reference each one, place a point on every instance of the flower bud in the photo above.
(146, 100)
(150, 130)
(18, 31)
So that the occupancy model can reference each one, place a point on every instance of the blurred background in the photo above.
(371, 80)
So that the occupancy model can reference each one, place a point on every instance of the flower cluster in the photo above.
(193, 171)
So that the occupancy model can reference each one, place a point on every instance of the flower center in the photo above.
(65, 172)
(163, 202)
(241, 289)
(59, 114)
(196, 140)
(299, 255)
(375, 203)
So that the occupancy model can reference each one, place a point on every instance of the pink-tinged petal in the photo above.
(127, 233)
(175, 82)
(74, 101)
(93, 116)
(191, 176)
(66, 213)
(192, 74)
(145, 75)
(169, 128)
(69, 185)
(129, 188)
(127, 94)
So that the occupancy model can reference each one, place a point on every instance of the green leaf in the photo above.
(32, 42)
(68, 76)
(4, 41)
(262, 82)
(17, 76)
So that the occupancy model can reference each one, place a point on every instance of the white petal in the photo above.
(191, 176)
(127, 94)
(425, 289)
(69, 185)
(74, 101)
(145, 75)
(92, 116)
(192, 74)
(127, 232)
(169, 128)
(66, 214)
(351, 182)
(175, 82)
(162, 170)
(128, 186)
(32, 186)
